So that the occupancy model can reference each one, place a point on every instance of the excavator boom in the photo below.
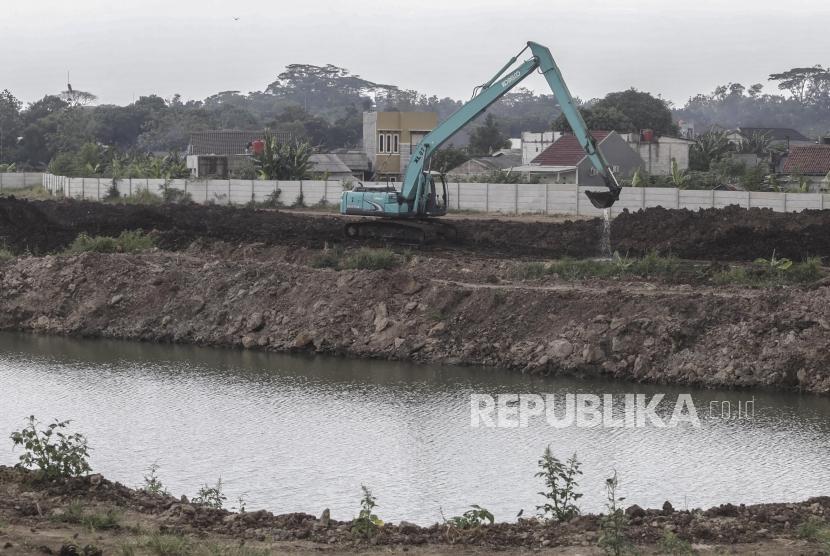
(419, 196)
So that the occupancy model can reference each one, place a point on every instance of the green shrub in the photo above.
(614, 525)
(5, 254)
(366, 522)
(52, 451)
(371, 259)
(560, 481)
(175, 195)
(152, 484)
(771, 272)
(672, 545)
(476, 516)
(212, 497)
(128, 241)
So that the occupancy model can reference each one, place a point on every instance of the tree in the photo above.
(283, 161)
(598, 118)
(488, 138)
(448, 158)
(707, 149)
(643, 110)
(10, 125)
(806, 85)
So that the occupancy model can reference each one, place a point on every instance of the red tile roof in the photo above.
(566, 151)
(808, 159)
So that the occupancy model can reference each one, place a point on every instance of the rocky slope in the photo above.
(448, 309)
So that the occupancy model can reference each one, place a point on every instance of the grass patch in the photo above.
(364, 258)
(371, 259)
(100, 521)
(765, 275)
(814, 529)
(139, 197)
(651, 265)
(176, 545)
(34, 192)
(128, 241)
(671, 544)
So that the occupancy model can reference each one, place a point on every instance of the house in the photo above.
(534, 143)
(779, 136)
(809, 161)
(566, 152)
(502, 160)
(357, 161)
(223, 153)
(329, 166)
(657, 153)
(390, 139)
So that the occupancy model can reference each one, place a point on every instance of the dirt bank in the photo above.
(724, 234)
(438, 307)
(92, 512)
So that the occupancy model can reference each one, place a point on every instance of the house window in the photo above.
(388, 143)
(592, 171)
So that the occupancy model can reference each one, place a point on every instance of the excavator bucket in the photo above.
(603, 199)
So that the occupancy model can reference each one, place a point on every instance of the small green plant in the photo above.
(327, 258)
(168, 545)
(212, 497)
(241, 504)
(613, 525)
(672, 545)
(128, 241)
(152, 484)
(560, 481)
(299, 202)
(773, 263)
(371, 259)
(5, 254)
(366, 522)
(54, 452)
(476, 516)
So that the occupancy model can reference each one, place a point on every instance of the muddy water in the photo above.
(302, 434)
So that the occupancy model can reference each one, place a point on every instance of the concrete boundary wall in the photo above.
(19, 180)
(505, 198)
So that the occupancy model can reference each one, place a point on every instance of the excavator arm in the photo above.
(416, 178)
(418, 197)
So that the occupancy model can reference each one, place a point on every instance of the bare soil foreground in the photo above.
(92, 515)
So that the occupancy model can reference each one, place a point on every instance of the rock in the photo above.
(249, 341)
(325, 518)
(668, 509)
(438, 329)
(399, 342)
(96, 479)
(560, 349)
(635, 511)
(381, 324)
(116, 299)
(303, 339)
(166, 320)
(409, 307)
(255, 322)
(592, 354)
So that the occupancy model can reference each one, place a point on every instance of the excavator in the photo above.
(410, 213)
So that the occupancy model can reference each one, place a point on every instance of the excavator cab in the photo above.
(436, 204)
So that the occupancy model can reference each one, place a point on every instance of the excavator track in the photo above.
(418, 231)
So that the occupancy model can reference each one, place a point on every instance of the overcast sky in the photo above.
(120, 50)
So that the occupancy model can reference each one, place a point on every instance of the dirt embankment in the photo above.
(723, 234)
(102, 517)
(440, 308)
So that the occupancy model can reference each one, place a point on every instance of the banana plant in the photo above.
(774, 263)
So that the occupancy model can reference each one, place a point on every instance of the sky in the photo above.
(120, 50)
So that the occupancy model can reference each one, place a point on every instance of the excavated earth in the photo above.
(38, 518)
(732, 233)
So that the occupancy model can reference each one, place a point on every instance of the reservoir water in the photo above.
(296, 433)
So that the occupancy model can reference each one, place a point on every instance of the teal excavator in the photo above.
(410, 213)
